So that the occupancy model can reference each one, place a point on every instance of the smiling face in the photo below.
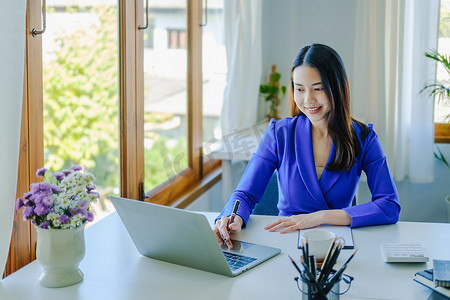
(309, 94)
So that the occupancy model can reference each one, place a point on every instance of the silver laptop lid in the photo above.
(181, 237)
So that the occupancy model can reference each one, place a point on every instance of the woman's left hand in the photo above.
(294, 223)
(304, 221)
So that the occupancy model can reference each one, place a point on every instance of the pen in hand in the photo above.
(233, 214)
(230, 221)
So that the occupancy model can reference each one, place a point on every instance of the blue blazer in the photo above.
(287, 147)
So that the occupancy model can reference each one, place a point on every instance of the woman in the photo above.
(319, 154)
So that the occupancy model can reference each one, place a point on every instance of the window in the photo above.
(442, 108)
(186, 171)
(81, 94)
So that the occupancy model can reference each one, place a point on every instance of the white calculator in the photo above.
(401, 252)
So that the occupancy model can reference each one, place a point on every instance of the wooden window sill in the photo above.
(188, 195)
(442, 133)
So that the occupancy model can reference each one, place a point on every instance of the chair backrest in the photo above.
(269, 200)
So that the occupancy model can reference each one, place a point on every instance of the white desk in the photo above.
(114, 269)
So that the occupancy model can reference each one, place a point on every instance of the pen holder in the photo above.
(310, 293)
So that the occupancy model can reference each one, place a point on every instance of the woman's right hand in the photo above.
(223, 229)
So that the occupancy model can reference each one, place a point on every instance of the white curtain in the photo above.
(12, 56)
(391, 69)
(244, 59)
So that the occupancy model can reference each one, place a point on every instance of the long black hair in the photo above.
(335, 83)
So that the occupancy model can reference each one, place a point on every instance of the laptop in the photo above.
(185, 238)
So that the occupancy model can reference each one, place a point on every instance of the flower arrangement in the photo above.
(63, 205)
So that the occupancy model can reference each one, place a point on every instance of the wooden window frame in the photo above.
(202, 173)
(178, 191)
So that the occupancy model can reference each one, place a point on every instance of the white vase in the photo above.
(59, 251)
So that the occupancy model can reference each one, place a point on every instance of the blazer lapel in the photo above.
(305, 159)
(328, 179)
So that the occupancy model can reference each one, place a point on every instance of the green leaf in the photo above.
(275, 77)
(263, 89)
(441, 157)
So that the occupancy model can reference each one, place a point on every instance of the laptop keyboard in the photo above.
(236, 261)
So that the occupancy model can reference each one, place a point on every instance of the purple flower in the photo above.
(41, 210)
(44, 225)
(90, 187)
(90, 216)
(73, 211)
(31, 199)
(27, 195)
(66, 172)
(27, 213)
(19, 203)
(97, 195)
(55, 189)
(47, 201)
(34, 188)
(63, 219)
(38, 198)
(58, 176)
(41, 172)
(45, 186)
(82, 205)
(76, 168)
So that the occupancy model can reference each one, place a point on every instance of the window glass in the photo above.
(165, 96)
(442, 108)
(81, 92)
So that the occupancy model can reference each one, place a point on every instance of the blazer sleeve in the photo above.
(384, 207)
(256, 176)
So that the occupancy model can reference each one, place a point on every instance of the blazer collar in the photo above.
(306, 165)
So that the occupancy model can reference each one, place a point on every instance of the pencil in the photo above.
(330, 249)
(306, 253)
(295, 265)
(338, 274)
(325, 270)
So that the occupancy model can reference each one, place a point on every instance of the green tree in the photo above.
(444, 22)
(81, 99)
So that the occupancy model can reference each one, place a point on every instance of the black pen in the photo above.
(235, 209)
(312, 282)
(313, 265)
(233, 215)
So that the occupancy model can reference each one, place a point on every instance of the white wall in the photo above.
(422, 202)
(289, 25)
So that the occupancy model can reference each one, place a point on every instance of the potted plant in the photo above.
(271, 92)
(440, 91)
(59, 213)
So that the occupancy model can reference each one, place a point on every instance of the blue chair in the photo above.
(269, 200)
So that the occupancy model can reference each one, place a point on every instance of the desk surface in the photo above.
(113, 269)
